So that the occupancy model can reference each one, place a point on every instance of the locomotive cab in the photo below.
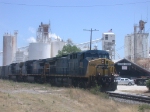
(103, 70)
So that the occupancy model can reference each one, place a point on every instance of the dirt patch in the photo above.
(134, 89)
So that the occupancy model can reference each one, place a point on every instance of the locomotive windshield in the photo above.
(104, 56)
(97, 55)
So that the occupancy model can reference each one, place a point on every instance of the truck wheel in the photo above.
(129, 83)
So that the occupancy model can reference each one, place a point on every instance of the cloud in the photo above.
(53, 35)
(32, 30)
(31, 40)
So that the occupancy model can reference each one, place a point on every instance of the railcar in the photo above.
(83, 69)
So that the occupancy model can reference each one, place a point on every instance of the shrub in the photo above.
(148, 84)
(143, 108)
(96, 89)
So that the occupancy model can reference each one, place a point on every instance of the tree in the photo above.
(67, 49)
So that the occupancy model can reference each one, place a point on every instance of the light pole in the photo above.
(91, 35)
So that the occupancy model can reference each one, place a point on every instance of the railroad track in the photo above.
(139, 98)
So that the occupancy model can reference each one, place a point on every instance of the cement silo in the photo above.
(9, 48)
(137, 43)
(55, 46)
(39, 51)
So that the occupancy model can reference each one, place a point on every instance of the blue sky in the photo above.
(68, 18)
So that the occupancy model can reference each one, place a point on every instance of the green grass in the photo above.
(144, 107)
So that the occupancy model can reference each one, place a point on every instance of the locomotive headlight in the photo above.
(103, 61)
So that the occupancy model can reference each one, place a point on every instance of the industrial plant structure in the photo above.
(136, 44)
(108, 43)
(44, 47)
(9, 48)
(47, 47)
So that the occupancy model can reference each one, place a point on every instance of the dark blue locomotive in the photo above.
(79, 69)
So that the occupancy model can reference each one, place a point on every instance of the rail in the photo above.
(139, 98)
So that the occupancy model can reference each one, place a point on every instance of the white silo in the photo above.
(56, 46)
(39, 51)
(9, 48)
(137, 43)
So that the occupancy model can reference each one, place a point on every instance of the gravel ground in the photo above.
(134, 89)
(131, 88)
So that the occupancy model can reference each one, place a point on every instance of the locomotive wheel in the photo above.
(24, 78)
(82, 84)
(9, 77)
(36, 79)
(42, 80)
(74, 83)
(52, 81)
(18, 78)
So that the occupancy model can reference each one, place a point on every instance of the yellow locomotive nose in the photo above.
(102, 70)
(100, 66)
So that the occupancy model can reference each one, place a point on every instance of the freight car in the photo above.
(83, 69)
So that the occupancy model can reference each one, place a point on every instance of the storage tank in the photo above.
(9, 48)
(55, 47)
(39, 51)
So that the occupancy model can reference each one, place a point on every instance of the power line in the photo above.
(120, 48)
(72, 6)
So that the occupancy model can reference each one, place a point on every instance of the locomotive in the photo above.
(83, 69)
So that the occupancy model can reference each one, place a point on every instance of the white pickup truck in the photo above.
(125, 81)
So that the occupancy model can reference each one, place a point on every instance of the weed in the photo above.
(96, 89)
(143, 107)
(9, 95)
(70, 93)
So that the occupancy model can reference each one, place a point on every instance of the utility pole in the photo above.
(91, 35)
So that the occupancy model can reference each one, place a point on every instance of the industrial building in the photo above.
(47, 47)
(137, 43)
(108, 43)
(136, 61)
(129, 69)
(44, 47)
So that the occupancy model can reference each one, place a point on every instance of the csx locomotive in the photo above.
(83, 69)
